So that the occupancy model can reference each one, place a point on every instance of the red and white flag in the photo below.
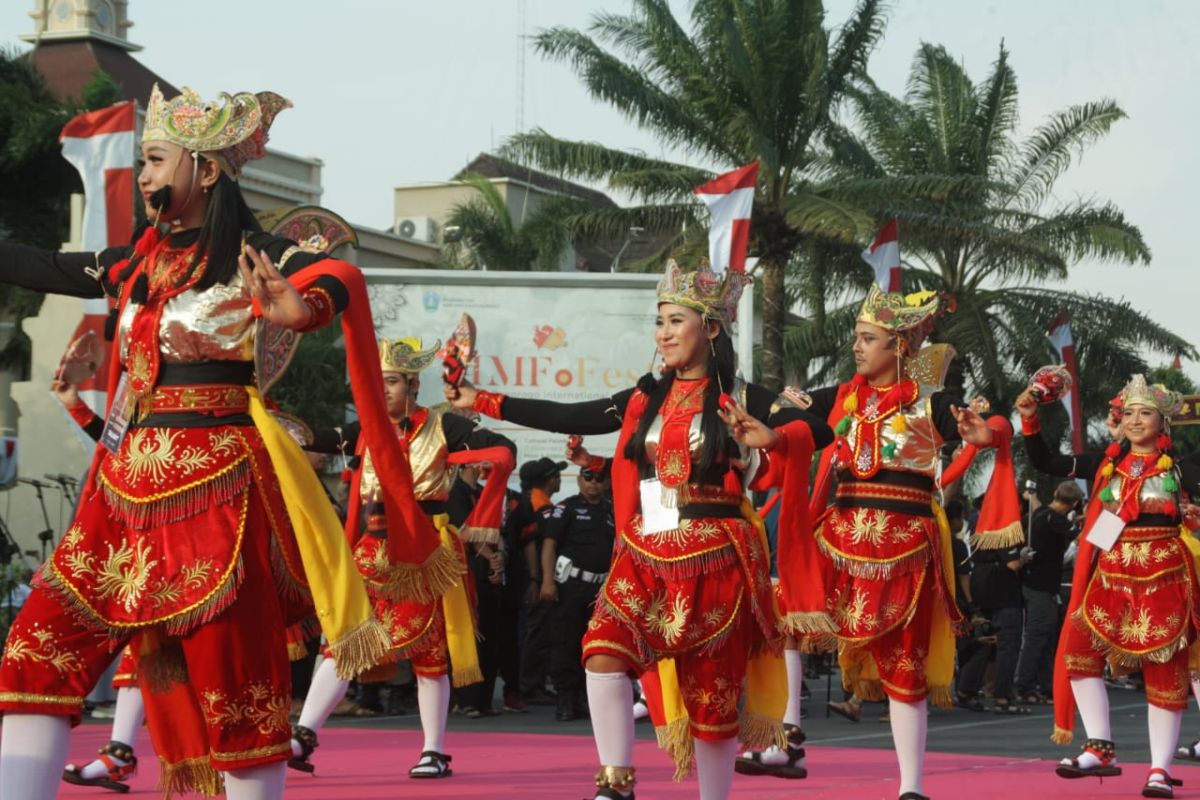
(100, 144)
(884, 256)
(730, 200)
(1064, 343)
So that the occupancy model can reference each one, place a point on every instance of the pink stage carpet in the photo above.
(368, 764)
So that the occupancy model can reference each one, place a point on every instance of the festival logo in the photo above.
(548, 337)
(431, 301)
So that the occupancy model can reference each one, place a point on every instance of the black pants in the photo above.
(568, 622)
(1035, 669)
(536, 648)
(1006, 625)
(489, 643)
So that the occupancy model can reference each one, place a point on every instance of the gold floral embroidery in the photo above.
(139, 364)
(690, 533)
(674, 467)
(667, 616)
(853, 615)
(72, 537)
(721, 697)
(873, 527)
(223, 442)
(125, 573)
(1140, 630)
(43, 650)
(80, 563)
(152, 459)
(901, 660)
(622, 586)
(192, 458)
(191, 576)
(259, 706)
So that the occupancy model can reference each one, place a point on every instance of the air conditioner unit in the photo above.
(422, 229)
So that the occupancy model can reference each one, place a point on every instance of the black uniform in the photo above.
(584, 533)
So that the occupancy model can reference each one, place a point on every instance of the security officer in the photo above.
(576, 552)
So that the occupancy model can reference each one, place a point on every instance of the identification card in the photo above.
(117, 424)
(1106, 530)
(655, 516)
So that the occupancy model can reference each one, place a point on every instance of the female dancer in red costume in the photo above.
(196, 535)
(1134, 600)
(689, 589)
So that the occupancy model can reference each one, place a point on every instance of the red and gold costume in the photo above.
(432, 633)
(883, 538)
(198, 537)
(1134, 606)
(690, 608)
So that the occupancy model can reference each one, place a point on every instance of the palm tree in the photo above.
(750, 80)
(499, 242)
(1002, 241)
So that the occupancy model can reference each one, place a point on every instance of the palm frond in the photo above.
(1047, 153)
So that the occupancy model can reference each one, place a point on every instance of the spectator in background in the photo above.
(578, 539)
(1050, 532)
(995, 588)
(487, 569)
(539, 481)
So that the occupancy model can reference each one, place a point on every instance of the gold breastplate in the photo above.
(426, 458)
(211, 325)
(917, 447)
(1153, 496)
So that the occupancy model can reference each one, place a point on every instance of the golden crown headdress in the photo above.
(715, 296)
(233, 129)
(406, 355)
(898, 312)
(1139, 393)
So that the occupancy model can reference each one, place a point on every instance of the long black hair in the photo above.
(226, 219)
(722, 368)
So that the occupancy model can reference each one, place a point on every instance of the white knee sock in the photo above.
(128, 716)
(32, 751)
(1164, 735)
(1196, 690)
(264, 782)
(795, 678)
(910, 722)
(433, 703)
(610, 702)
(714, 767)
(324, 693)
(1091, 698)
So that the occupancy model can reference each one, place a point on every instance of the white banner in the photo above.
(566, 337)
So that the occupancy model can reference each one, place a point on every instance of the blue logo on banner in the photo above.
(431, 301)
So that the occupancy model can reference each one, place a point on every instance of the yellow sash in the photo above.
(356, 639)
(460, 619)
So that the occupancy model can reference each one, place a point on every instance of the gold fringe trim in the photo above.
(191, 775)
(466, 676)
(1010, 535)
(162, 667)
(814, 628)
(1124, 660)
(687, 566)
(422, 582)
(1062, 735)
(676, 738)
(758, 732)
(362, 648)
(470, 533)
(940, 696)
(880, 570)
(141, 513)
(296, 650)
(870, 689)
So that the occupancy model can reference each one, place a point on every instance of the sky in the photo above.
(391, 92)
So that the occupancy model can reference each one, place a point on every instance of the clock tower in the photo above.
(62, 20)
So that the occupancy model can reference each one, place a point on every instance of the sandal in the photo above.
(117, 774)
(1102, 750)
(751, 763)
(307, 739)
(969, 703)
(848, 709)
(432, 765)
(1189, 753)
(913, 796)
(1160, 784)
(1010, 709)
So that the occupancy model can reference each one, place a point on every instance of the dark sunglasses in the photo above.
(591, 475)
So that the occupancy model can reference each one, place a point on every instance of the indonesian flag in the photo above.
(100, 144)
(1064, 343)
(884, 257)
(730, 199)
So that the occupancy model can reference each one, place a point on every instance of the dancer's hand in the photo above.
(1191, 515)
(461, 396)
(67, 393)
(579, 456)
(1026, 404)
(549, 593)
(971, 427)
(278, 300)
(747, 429)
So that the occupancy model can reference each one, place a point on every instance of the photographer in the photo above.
(996, 591)
(1050, 532)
